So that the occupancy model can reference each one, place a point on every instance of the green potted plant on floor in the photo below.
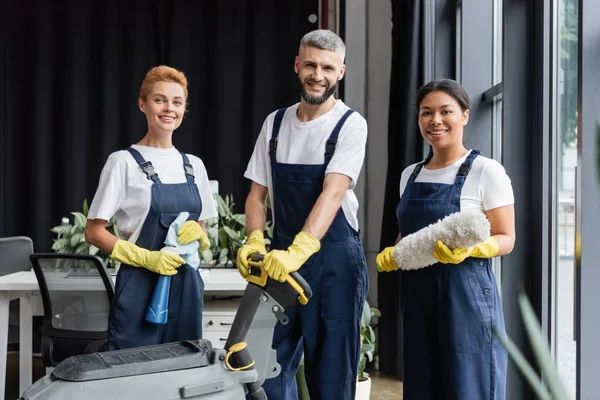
(367, 349)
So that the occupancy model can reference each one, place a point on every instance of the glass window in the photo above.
(497, 108)
(565, 161)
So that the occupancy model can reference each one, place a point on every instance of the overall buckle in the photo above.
(189, 170)
(330, 146)
(148, 169)
(464, 169)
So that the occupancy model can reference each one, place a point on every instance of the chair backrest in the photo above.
(14, 257)
(76, 292)
(14, 254)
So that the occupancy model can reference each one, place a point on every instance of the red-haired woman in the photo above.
(145, 187)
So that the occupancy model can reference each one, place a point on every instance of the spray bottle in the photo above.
(158, 309)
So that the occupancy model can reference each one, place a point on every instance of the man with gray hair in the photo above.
(307, 159)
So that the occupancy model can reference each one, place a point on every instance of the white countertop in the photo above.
(215, 280)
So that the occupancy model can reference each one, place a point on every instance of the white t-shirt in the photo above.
(487, 186)
(126, 192)
(304, 143)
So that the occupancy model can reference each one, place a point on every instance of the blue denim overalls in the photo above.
(135, 285)
(327, 328)
(449, 310)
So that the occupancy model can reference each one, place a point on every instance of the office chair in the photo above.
(76, 292)
(14, 257)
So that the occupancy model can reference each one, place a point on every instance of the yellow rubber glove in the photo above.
(487, 249)
(254, 244)
(191, 231)
(156, 261)
(279, 263)
(385, 260)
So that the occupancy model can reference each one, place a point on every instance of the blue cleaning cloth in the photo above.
(191, 255)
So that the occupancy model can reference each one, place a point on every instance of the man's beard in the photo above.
(320, 99)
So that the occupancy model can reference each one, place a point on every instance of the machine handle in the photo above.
(259, 276)
(256, 257)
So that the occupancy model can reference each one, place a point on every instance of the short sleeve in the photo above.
(111, 189)
(495, 187)
(209, 210)
(350, 149)
(404, 178)
(257, 169)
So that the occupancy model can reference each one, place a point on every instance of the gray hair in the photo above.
(324, 39)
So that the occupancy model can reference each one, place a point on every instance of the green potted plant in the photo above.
(71, 239)
(227, 233)
(367, 349)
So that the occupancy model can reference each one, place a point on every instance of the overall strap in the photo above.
(273, 142)
(146, 166)
(332, 141)
(464, 169)
(187, 168)
(418, 167)
(275, 132)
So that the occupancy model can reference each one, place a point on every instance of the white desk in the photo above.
(24, 286)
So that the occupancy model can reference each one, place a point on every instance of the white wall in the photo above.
(369, 47)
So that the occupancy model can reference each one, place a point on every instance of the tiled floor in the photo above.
(385, 388)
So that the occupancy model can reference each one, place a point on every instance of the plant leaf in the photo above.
(269, 227)
(526, 370)
(222, 208)
(59, 244)
(240, 219)
(223, 238)
(362, 364)
(86, 209)
(206, 255)
(541, 350)
(231, 233)
(366, 347)
(365, 318)
(61, 229)
(82, 248)
(80, 219)
(224, 252)
(370, 334)
(76, 239)
(115, 228)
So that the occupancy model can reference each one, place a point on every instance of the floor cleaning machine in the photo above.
(189, 369)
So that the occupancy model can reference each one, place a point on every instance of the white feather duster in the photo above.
(462, 229)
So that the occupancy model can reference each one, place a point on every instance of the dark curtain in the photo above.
(404, 147)
(69, 80)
